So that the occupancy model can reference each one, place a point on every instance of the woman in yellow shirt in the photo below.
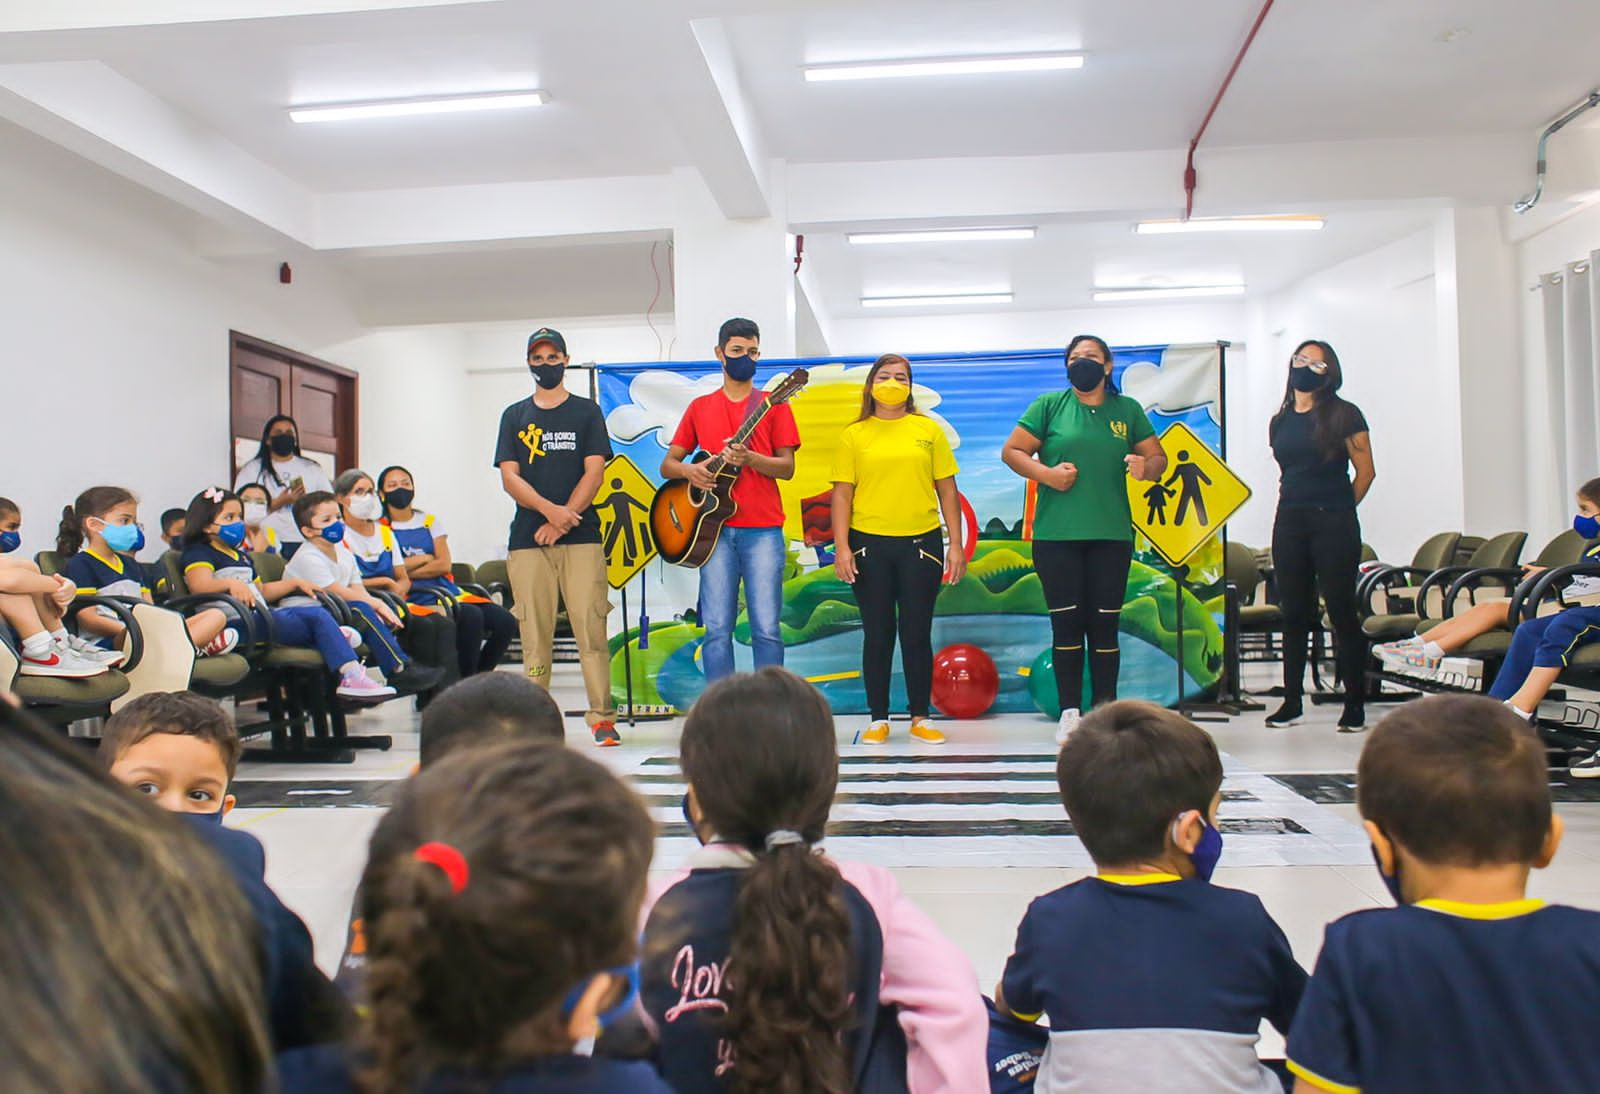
(893, 479)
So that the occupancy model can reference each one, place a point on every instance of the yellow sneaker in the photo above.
(875, 734)
(922, 730)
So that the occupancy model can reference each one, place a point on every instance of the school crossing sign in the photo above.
(1192, 500)
(624, 507)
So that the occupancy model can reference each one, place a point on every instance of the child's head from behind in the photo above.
(177, 747)
(501, 892)
(759, 754)
(210, 512)
(1140, 784)
(1456, 781)
(488, 707)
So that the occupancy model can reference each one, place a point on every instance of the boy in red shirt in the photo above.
(751, 546)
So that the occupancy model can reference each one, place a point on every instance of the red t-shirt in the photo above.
(710, 421)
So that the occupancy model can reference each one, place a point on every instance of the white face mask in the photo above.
(254, 513)
(366, 507)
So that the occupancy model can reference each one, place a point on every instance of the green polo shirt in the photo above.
(1095, 439)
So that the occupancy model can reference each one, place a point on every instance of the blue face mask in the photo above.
(739, 369)
(231, 533)
(9, 541)
(334, 532)
(203, 820)
(616, 1013)
(122, 537)
(1390, 881)
(1206, 852)
(1587, 527)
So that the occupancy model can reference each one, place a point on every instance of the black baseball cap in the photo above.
(545, 334)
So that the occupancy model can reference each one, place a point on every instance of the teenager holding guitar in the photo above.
(751, 547)
(893, 476)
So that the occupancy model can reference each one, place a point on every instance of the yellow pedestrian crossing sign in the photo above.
(1191, 501)
(624, 507)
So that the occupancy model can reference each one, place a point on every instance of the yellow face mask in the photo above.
(891, 392)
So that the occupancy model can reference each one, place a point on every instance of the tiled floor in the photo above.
(975, 887)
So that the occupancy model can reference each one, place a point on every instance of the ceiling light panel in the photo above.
(944, 66)
(400, 108)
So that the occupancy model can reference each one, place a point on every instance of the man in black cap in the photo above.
(552, 455)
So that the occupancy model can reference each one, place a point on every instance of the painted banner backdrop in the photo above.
(999, 606)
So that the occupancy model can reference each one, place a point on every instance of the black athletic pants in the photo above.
(483, 633)
(1084, 584)
(1319, 550)
(897, 580)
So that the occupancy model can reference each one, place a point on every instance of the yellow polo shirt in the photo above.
(893, 464)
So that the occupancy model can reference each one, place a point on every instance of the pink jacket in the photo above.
(925, 975)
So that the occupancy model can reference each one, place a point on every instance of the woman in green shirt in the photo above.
(1080, 445)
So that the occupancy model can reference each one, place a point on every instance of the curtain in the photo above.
(1571, 301)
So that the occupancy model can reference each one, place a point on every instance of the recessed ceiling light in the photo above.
(1230, 224)
(1106, 296)
(944, 66)
(399, 108)
(943, 235)
(946, 298)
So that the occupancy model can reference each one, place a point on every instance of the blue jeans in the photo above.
(381, 642)
(311, 625)
(758, 556)
(1547, 642)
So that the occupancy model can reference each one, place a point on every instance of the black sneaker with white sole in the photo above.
(1586, 768)
(1353, 720)
(1289, 714)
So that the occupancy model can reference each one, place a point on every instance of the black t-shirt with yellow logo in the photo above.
(549, 447)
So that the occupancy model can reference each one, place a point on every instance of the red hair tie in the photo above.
(448, 859)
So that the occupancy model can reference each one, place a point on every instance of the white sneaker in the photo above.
(352, 636)
(88, 651)
(358, 685)
(61, 662)
(1069, 722)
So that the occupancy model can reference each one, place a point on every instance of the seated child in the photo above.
(483, 972)
(327, 563)
(172, 529)
(98, 538)
(182, 751)
(32, 603)
(1467, 985)
(1425, 651)
(258, 538)
(841, 983)
(214, 565)
(1153, 978)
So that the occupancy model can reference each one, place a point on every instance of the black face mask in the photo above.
(400, 499)
(282, 444)
(1303, 379)
(548, 376)
(1085, 373)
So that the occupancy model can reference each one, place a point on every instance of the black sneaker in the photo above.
(1586, 768)
(1287, 715)
(415, 678)
(1353, 720)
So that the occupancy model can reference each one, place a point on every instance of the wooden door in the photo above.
(323, 399)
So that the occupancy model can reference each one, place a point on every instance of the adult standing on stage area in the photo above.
(751, 547)
(893, 476)
(286, 475)
(1088, 440)
(552, 456)
(1316, 538)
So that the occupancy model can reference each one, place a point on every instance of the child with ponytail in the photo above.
(483, 974)
(769, 967)
(99, 535)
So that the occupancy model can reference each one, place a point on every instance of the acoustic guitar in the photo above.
(687, 521)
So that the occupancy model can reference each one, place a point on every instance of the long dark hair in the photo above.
(456, 965)
(1111, 387)
(759, 754)
(264, 451)
(203, 509)
(92, 870)
(1331, 416)
(868, 403)
(93, 502)
(377, 484)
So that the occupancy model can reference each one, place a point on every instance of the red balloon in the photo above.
(965, 681)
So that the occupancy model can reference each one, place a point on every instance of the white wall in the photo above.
(115, 360)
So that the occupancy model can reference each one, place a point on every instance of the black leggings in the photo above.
(483, 633)
(1085, 581)
(1319, 550)
(897, 580)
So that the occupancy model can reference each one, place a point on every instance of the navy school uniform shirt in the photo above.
(1152, 983)
(1444, 996)
(117, 575)
(327, 1070)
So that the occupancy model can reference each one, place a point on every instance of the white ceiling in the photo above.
(1437, 103)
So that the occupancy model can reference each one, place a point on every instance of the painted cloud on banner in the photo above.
(1187, 379)
(656, 401)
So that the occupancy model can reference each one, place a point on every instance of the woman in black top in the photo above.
(1316, 539)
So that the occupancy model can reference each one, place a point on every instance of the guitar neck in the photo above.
(742, 434)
